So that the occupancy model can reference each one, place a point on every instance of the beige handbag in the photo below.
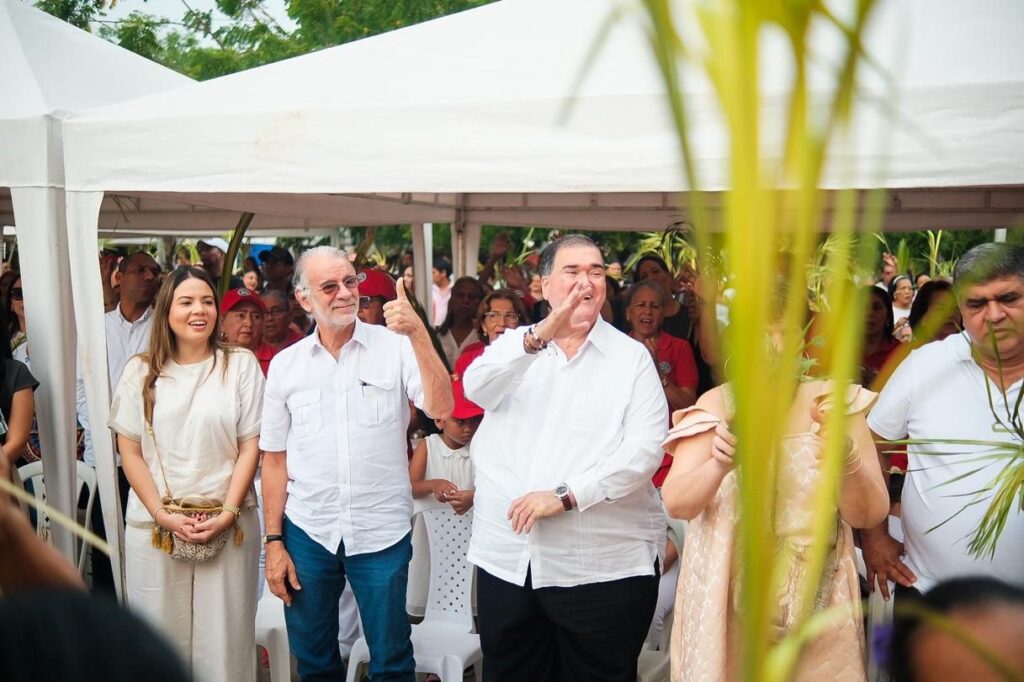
(193, 507)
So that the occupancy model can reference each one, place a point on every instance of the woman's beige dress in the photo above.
(705, 640)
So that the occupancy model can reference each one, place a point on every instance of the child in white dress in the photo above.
(441, 467)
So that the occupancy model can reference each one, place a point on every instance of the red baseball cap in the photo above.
(374, 282)
(464, 407)
(235, 296)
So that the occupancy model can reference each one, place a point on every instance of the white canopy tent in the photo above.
(48, 69)
(462, 120)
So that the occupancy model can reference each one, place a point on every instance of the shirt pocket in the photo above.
(304, 408)
(375, 401)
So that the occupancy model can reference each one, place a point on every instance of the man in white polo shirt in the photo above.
(336, 492)
(939, 392)
(567, 527)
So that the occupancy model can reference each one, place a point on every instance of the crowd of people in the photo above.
(571, 412)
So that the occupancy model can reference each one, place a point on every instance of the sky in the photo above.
(175, 9)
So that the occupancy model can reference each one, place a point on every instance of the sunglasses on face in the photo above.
(17, 294)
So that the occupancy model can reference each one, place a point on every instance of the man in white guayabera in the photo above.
(336, 492)
(939, 392)
(567, 525)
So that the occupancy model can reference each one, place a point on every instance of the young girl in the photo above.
(440, 466)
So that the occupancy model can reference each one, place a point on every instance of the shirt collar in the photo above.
(124, 320)
(599, 335)
(964, 348)
(359, 335)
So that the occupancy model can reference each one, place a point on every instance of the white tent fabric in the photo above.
(463, 120)
(47, 69)
(470, 104)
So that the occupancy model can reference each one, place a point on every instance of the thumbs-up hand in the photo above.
(399, 314)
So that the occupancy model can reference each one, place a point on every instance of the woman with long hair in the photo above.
(17, 405)
(879, 342)
(458, 331)
(187, 418)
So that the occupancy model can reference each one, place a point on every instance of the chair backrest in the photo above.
(450, 596)
(33, 472)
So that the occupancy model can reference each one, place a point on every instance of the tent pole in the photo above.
(423, 265)
(83, 210)
(42, 239)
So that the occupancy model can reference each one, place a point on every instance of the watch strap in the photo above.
(273, 538)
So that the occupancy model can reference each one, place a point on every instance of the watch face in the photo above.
(562, 490)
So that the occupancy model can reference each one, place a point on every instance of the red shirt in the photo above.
(471, 353)
(675, 360)
(264, 354)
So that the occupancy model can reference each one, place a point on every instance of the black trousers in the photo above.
(589, 632)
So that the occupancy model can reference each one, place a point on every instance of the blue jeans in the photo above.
(379, 581)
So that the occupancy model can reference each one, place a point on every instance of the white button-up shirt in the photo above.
(342, 423)
(125, 340)
(594, 422)
(939, 392)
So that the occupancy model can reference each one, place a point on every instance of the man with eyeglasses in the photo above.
(336, 491)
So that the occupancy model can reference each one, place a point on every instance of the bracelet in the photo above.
(533, 343)
(232, 508)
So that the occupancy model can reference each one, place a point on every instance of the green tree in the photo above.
(242, 34)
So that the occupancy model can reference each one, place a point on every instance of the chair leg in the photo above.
(451, 669)
(280, 657)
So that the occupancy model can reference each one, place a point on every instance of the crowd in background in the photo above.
(187, 334)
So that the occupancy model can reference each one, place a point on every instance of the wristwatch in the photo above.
(562, 492)
(272, 538)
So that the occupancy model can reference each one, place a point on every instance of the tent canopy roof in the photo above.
(49, 68)
(471, 110)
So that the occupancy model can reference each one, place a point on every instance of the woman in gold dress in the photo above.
(702, 487)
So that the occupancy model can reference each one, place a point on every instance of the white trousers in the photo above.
(207, 611)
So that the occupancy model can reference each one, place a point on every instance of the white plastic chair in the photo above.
(33, 471)
(272, 635)
(654, 665)
(444, 643)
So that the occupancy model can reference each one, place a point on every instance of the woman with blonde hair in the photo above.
(187, 418)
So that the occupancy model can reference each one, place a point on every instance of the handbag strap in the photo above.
(159, 461)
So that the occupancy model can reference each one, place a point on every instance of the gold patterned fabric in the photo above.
(706, 630)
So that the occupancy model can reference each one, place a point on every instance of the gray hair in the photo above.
(644, 284)
(276, 294)
(547, 256)
(986, 262)
(299, 278)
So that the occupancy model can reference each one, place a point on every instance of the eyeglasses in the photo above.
(275, 312)
(331, 288)
(364, 302)
(494, 316)
(17, 294)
